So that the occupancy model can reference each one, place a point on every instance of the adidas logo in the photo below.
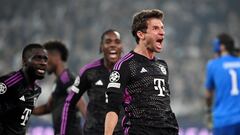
(99, 82)
(22, 98)
(143, 70)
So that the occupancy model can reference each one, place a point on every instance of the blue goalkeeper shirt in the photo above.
(223, 76)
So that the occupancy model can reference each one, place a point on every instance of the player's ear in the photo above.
(121, 49)
(24, 61)
(222, 47)
(58, 57)
(101, 48)
(140, 35)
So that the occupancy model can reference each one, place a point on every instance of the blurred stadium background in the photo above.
(190, 26)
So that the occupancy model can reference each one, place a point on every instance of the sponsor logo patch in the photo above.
(114, 85)
(75, 89)
(77, 81)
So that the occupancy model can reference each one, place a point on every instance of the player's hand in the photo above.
(208, 120)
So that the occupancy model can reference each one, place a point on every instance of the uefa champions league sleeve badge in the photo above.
(3, 88)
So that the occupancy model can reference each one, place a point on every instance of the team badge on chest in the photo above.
(163, 69)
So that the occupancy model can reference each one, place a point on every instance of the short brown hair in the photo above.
(139, 22)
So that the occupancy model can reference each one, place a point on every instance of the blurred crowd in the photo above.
(190, 27)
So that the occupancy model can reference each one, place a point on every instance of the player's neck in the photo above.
(30, 80)
(108, 65)
(60, 69)
(223, 53)
(142, 50)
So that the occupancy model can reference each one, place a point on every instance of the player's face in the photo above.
(36, 64)
(52, 61)
(112, 47)
(154, 35)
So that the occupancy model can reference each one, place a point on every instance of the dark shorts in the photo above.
(227, 130)
(143, 130)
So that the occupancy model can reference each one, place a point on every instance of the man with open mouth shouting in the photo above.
(19, 92)
(139, 82)
(93, 79)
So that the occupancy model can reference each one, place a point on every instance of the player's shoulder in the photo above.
(162, 61)
(124, 60)
(66, 76)
(91, 65)
(10, 80)
(213, 62)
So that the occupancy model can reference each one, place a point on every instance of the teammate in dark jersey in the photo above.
(58, 55)
(139, 81)
(93, 79)
(19, 92)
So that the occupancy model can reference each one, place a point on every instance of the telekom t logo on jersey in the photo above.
(159, 85)
(25, 116)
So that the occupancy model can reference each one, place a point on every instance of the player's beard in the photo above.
(31, 71)
(150, 46)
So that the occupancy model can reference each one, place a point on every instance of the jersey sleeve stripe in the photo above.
(64, 77)
(116, 65)
(90, 65)
(16, 80)
(12, 77)
(124, 61)
(65, 113)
